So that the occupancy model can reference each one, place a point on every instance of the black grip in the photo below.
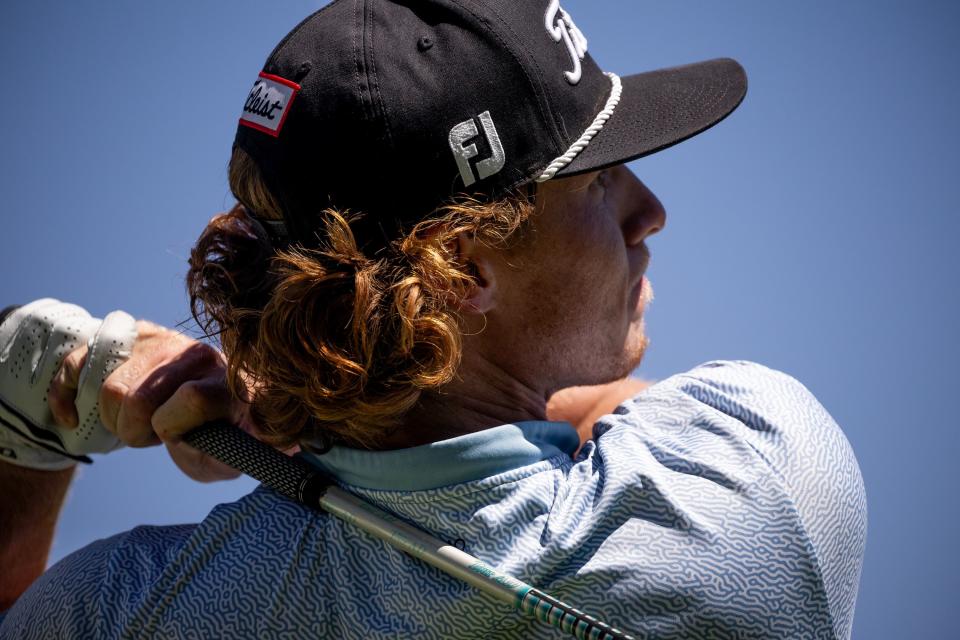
(291, 477)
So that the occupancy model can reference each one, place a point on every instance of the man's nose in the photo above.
(644, 214)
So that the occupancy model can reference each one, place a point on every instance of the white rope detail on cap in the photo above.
(588, 135)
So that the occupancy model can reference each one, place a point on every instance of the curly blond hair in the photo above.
(329, 344)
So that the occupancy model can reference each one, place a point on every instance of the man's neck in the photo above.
(483, 395)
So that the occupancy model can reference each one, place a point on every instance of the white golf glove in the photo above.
(34, 339)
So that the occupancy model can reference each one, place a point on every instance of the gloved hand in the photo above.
(34, 339)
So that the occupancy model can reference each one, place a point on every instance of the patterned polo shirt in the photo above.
(723, 502)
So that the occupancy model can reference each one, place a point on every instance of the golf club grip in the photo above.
(289, 476)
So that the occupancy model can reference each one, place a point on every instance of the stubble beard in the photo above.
(633, 354)
(598, 363)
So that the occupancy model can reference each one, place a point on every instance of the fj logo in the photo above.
(466, 131)
(560, 26)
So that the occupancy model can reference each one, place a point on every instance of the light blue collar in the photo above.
(469, 457)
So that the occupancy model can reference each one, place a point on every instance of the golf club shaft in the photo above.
(300, 481)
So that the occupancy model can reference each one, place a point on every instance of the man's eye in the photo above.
(600, 181)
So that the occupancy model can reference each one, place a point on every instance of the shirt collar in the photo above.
(469, 457)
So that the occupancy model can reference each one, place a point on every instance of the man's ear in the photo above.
(479, 297)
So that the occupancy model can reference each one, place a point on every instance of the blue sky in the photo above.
(812, 231)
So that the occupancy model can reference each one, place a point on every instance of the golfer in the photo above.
(432, 287)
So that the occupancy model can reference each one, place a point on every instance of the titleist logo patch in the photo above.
(269, 103)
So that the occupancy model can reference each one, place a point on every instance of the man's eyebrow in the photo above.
(586, 183)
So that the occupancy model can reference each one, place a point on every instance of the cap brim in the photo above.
(660, 108)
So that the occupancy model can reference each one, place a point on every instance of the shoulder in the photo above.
(773, 414)
(68, 600)
(756, 418)
(740, 400)
(754, 444)
(745, 390)
(154, 581)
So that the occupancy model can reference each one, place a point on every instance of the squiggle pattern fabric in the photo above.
(720, 503)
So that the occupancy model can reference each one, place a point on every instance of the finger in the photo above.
(202, 467)
(111, 396)
(130, 400)
(63, 389)
(194, 403)
(147, 391)
(198, 465)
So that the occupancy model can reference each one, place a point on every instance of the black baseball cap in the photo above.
(392, 107)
